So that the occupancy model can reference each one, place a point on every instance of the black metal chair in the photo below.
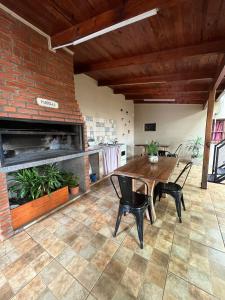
(176, 153)
(134, 202)
(173, 189)
(170, 154)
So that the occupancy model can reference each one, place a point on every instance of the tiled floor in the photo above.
(72, 255)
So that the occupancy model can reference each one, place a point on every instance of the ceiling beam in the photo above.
(158, 78)
(127, 10)
(157, 56)
(219, 75)
(178, 101)
(200, 97)
(165, 89)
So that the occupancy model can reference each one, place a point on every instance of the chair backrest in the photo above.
(177, 151)
(162, 153)
(127, 185)
(186, 169)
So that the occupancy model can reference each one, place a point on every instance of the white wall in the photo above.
(175, 123)
(219, 111)
(100, 102)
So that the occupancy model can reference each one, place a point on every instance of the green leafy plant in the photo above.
(152, 148)
(70, 179)
(29, 184)
(195, 147)
(53, 178)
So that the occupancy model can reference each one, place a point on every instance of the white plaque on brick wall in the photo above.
(47, 103)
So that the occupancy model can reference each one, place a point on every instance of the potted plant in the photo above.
(37, 190)
(195, 147)
(72, 181)
(152, 150)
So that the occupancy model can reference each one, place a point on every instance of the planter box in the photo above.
(34, 209)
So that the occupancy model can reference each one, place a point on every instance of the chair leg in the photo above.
(160, 194)
(119, 216)
(178, 206)
(150, 213)
(155, 195)
(182, 201)
(140, 223)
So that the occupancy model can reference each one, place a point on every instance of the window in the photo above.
(218, 130)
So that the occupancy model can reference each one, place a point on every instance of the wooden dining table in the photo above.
(151, 173)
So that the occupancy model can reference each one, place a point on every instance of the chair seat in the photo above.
(138, 201)
(171, 187)
(171, 155)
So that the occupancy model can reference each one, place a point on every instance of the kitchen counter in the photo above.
(39, 162)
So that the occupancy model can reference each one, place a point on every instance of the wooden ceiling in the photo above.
(173, 55)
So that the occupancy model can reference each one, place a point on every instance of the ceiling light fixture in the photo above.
(159, 100)
(129, 21)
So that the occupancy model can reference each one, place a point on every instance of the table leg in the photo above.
(151, 188)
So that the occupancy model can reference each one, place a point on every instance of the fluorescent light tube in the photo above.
(159, 100)
(132, 20)
(135, 19)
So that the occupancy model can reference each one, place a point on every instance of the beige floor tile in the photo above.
(49, 273)
(131, 281)
(178, 267)
(105, 288)
(218, 287)
(198, 294)
(155, 274)
(100, 260)
(41, 261)
(75, 292)
(88, 252)
(47, 295)
(77, 265)
(124, 255)
(32, 290)
(98, 241)
(138, 264)
(115, 270)
(89, 276)
(60, 285)
(176, 288)
(23, 277)
(122, 293)
(6, 291)
(66, 256)
(150, 291)
(56, 248)
(199, 278)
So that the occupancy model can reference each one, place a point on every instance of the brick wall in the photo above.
(29, 70)
(5, 216)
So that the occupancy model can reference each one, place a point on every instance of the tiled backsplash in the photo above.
(101, 130)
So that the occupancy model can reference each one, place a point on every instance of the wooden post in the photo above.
(208, 134)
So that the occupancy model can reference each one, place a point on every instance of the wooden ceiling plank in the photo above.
(157, 78)
(157, 56)
(126, 10)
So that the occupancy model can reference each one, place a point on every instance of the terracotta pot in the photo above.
(34, 209)
(74, 190)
